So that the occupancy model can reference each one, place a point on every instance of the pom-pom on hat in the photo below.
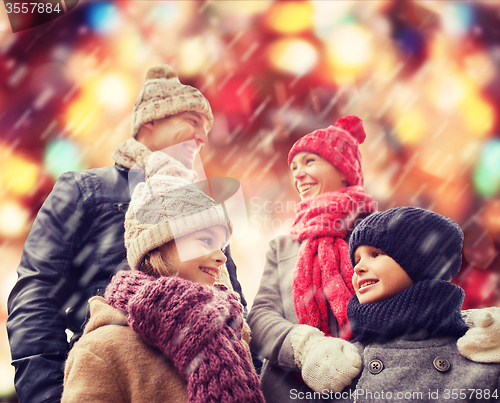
(163, 95)
(425, 244)
(165, 208)
(337, 144)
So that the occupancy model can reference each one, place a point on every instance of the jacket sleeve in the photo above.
(37, 320)
(270, 329)
(88, 378)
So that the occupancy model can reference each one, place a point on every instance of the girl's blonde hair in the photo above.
(157, 265)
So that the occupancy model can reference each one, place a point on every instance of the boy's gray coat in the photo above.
(408, 364)
(409, 368)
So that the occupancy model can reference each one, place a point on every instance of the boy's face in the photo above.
(377, 276)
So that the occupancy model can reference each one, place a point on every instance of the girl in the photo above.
(164, 332)
(306, 282)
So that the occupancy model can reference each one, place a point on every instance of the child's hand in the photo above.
(481, 343)
(326, 362)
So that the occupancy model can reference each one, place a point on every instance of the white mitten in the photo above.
(481, 343)
(326, 362)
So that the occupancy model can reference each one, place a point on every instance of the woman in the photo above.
(306, 283)
(164, 332)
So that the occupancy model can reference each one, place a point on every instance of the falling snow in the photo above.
(423, 76)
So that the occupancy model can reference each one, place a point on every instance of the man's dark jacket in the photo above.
(74, 248)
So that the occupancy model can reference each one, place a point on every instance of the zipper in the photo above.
(123, 207)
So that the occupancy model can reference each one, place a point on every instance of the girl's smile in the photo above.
(198, 256)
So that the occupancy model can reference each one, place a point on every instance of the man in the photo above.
(76, 242)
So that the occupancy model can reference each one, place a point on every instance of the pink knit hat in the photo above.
(337, 144)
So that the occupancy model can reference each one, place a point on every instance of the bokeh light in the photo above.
(62, 155)
(130, 48)
(480, 67)
(327, 14)
(479, 249)
(294, 56)
(18, 175)
(14, 219)
(103, 17)
(456, 17)
(349, 51)
(82, 66)
(115, 91)
(82, 114)
(410, 127)
(6, 376)
(291, 17)
(165, 12)
(193, 56)
(246, 8)
(449, 91)
(478, 114)
(490, 217)
(487, 171)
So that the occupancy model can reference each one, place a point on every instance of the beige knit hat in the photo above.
(165, 208)
(163, 95)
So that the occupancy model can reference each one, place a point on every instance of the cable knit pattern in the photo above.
(197, 327)
(164, 95)
(425, 244)
(432, 305)
(139, 159)
(165, 208)
(162, 163)
(130, 152)
(323, 271)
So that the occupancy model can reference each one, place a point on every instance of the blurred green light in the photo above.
(486, 175)
(61, 156)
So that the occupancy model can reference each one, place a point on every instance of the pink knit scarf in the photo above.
(323, 272)
(197, 327)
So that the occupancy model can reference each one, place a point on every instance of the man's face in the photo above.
(171, 133)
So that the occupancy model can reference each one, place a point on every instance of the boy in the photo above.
(406, 314)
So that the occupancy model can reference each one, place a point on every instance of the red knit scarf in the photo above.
(323, 271)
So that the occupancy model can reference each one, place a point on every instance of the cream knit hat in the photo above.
(164, 208)
(163, 95)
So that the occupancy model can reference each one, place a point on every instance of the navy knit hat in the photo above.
(425, 244)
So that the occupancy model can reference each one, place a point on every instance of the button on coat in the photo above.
(375, 367)
(441, 364)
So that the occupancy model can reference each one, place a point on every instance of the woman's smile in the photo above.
(313, 175)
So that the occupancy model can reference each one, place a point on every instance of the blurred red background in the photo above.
(423, 75)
